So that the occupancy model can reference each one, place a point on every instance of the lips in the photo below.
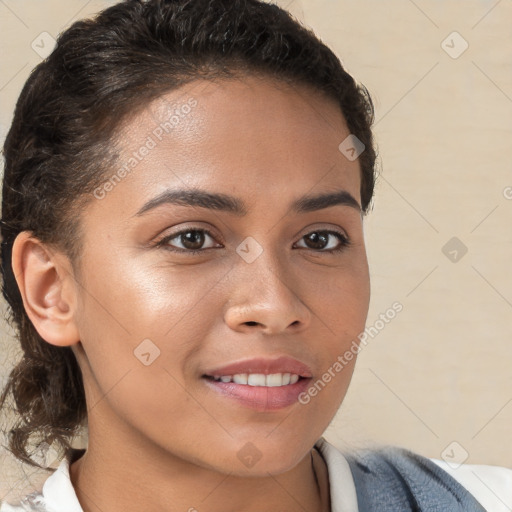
(264, 385)
(263, 366)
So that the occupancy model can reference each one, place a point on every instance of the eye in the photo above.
(191, 240)
(320, 240)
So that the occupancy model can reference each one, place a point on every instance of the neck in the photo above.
(120, 471)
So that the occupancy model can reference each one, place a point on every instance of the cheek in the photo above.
(145, 300)
(341, 297)
(135, 359)
(140, 327)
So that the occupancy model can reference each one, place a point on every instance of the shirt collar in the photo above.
(58, 491)
(342, 488)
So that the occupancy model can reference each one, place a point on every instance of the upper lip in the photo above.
(265, 366)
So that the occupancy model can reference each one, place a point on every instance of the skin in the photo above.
(157, 434)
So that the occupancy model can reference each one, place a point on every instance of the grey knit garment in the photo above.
(392, 479)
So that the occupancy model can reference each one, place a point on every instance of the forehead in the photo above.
(252, 136)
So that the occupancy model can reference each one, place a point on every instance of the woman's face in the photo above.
(157, 321)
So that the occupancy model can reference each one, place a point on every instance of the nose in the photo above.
(266, 296)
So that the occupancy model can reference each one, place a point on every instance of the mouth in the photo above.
(259, 379)
(261, 384)
(259, 392)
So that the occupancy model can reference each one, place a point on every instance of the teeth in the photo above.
(259, 379)
(240, 378)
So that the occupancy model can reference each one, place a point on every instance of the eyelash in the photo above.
(344, 241)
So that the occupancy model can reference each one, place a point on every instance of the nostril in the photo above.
(251, 323)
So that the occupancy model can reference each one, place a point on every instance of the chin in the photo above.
(261, 457)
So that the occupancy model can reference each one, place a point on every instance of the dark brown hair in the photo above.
(60, 147)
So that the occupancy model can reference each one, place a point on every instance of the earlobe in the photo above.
(47, 286)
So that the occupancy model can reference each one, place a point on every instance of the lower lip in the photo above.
(261, 398)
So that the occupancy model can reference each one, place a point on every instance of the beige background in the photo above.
(439, 372)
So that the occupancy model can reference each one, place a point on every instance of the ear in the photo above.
(48, 288)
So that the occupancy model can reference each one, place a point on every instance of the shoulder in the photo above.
(393, 478)
(57, 494)
(490, 485)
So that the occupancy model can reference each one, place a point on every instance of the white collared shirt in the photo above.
(490, 485)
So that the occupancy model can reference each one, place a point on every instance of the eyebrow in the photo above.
(225, 203)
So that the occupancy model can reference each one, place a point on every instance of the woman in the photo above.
(192, 360)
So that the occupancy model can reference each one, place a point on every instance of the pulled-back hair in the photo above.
(59, 148)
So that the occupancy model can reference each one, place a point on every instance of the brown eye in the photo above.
(191, 240)
(319, 240)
